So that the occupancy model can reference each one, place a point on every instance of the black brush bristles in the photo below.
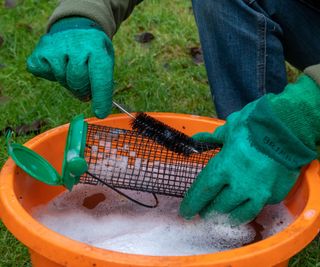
(167, 136)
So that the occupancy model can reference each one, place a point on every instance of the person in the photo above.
(272, 128)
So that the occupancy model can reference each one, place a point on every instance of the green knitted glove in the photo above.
(260, 160)
(79, 55)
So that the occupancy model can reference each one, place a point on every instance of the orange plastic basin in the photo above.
(19, 193)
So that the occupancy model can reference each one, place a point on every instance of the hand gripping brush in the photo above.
(118, 158)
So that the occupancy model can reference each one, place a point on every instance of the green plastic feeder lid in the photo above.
(33, 164)
(74, 164)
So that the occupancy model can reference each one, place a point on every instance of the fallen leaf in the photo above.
(196, 54)
(25, 26)
(144, 37)
(4, 99)
(10, 3)
(127, 87)
(166, 66)
(24, 129)
(1, 41)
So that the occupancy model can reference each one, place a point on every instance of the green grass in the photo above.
(159, 76)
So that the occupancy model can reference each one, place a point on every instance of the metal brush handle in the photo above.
(147, 125)
(123, 109)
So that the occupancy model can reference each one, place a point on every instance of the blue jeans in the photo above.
(246, 43)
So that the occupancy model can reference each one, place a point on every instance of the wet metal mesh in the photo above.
(124, 159)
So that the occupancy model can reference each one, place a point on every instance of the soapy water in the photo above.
(102, 218)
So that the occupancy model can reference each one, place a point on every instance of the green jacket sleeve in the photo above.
(107, 13)
(314, 73)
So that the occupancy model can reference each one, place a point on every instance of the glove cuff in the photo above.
(72, 23)
(269, 135)
(298, 108)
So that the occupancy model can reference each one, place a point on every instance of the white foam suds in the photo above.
(121, 225)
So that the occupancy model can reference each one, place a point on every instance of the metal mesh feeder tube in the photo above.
(124, 159)
(117, 158)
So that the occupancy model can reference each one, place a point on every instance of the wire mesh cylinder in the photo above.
(124, 159)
